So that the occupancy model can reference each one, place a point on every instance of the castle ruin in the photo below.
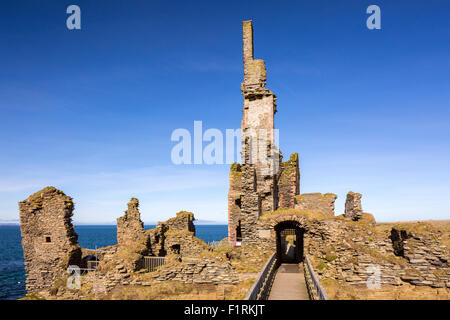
(265, 209)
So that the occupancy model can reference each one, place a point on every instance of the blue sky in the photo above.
(91, 111)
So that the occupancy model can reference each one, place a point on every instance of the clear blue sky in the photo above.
(91, 111)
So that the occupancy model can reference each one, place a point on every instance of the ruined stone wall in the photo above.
(175, 236)
(251, 203)
(159, 241)
(426, 256)
(184, 243)
(343, 255)
(316, 201)
(49, 241)
(234, 201)
(353, 208)
(130, 226)
(357, 253)
(289, 182)
(183, 221)
(258, 122)
(96, 254)
(257, 132)
(362, 258)
(198, 271)
(254, 70)
(156, 240)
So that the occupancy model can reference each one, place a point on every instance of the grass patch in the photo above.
(57, 285)
(32, 296)
(322, 266)
(308, 214)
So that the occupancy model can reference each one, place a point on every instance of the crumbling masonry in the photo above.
(49, 242)
(353, 209)
(261, 184)
(130, 227)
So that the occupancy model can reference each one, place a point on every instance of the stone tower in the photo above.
(254, 185)
(49, 241)
(353, 208)
(130, 226)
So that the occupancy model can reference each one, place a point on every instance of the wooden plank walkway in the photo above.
(289, 283)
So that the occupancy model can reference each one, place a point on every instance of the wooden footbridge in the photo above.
(287, 281)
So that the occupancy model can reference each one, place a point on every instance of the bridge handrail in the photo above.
(315, 289)
(260, 287)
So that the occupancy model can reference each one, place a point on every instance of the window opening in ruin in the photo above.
(176, 248)
(48, 239)
(238, 202)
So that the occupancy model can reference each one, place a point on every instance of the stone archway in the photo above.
(292, 226)
(270, 232)
(289, 241)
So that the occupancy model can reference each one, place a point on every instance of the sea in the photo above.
(12, 269)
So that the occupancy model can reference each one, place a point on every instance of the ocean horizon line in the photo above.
(214, 223)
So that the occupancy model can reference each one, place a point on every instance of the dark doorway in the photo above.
(239, 232)
(289, 242)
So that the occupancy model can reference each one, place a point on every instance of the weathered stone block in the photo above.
(353, 208)
(184, 221)
(316, 202)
